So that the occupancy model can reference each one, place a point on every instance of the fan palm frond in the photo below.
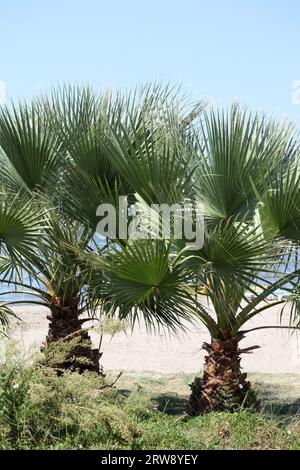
(30, 149)
(239, 150)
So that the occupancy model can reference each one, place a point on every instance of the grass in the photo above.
(275, 426)
(39, 410)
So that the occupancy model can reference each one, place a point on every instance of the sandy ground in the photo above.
(140, 351)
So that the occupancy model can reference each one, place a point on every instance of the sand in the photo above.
(140, 351)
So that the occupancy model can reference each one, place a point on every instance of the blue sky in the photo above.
(217, 49)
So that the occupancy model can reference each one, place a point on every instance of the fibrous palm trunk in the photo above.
(222, 386)
(68, 346)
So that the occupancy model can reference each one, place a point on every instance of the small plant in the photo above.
(40, 409)
(14, 386)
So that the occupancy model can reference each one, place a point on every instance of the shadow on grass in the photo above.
(173, 404)
(281, 409)
(176, 405)
(170, 404)
(274, 400)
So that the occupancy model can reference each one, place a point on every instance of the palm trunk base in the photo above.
(223, 386)
(69, 347)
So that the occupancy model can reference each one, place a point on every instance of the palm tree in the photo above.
(48, 148)
(49, 276)
(244, 169)
(35, 160)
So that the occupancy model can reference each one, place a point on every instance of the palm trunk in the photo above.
(68, 346)
(222, 386)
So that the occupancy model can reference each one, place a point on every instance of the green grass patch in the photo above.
(39, 410)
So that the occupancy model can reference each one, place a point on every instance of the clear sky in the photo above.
(217, 49)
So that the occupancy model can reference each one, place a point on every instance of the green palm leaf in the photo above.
(238, 151)
(140, 280)
(21, 224)
(31, 155)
